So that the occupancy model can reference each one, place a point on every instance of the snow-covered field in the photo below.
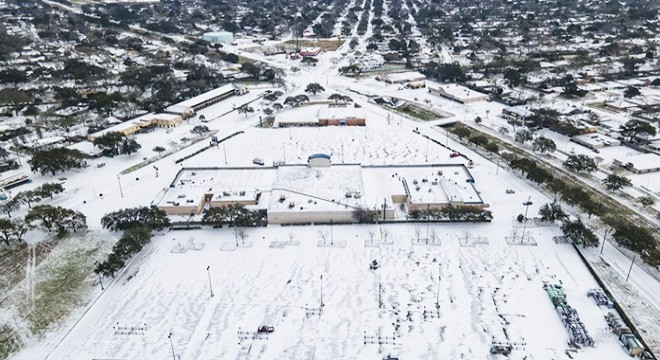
(486, 292)
(489, 290)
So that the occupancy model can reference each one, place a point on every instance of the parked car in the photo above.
(501, 349)
(265, 329)
(526, 203)
(453, 155)
(510, 191)
(100, 165)
(258, 161)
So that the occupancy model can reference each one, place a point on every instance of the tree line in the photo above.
(49, 218)
(137, 225)
(455, 213)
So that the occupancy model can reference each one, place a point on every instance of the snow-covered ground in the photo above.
(484, 288)
(486, 292)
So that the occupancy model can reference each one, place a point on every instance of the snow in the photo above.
(481, 289)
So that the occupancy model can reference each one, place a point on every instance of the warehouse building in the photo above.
(188, 108)
(320, 192)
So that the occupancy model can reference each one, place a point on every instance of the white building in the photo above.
(370, 62)
(640, 164)
(458, 93)
(595, 141)
(404, 77)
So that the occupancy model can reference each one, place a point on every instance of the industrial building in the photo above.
(326, 116)
(189, 108)
(320, 192)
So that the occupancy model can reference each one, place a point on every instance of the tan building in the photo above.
(176, 203)
(130, 127)
(341, 116)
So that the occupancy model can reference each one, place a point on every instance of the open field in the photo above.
(485, 292)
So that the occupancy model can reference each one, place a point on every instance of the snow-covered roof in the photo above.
(518, 111)
(199, 99)
(641, 162)
(460, 92)
(86, 147)
(341, 113)
(404, 76)
(596, 140)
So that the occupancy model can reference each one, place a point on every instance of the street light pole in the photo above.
(604, 237)
(172, 346)
(101, 282)
(527, 205)
(437, 294)
(208, 271)
(322, 305)
(121, 191)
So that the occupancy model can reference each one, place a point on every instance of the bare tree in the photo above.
(324, 236)
(384, 234)
(466, 236)
(371, 234)
(433, 236)
(418, 234)
(291, 236)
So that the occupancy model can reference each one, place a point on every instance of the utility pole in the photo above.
(427, 150)
(224, 150)
(498, 167)
(101, 282)
(208, 271)
(631, 266)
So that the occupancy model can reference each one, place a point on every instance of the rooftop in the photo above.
(341, 113)
(199, 99)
